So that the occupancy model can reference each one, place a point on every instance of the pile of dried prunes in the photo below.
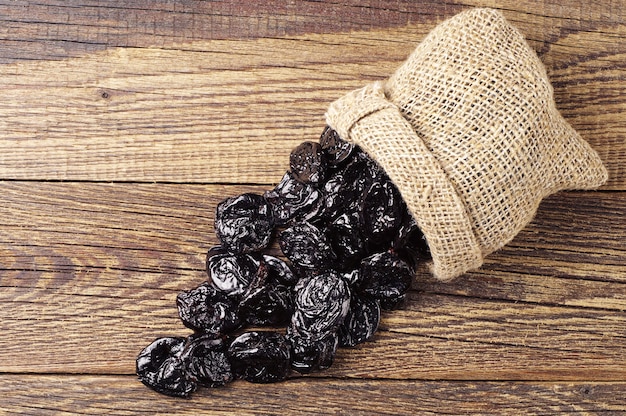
(349, 249)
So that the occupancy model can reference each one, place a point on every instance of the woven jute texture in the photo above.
(468, 131)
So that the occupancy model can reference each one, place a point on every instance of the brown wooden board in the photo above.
(123, 395)
(132, 113)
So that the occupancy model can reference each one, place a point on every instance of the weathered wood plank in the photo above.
(95, 268)
(134, 113)
(61, 29)
(56, 30)
(119, 395)
(91, 329)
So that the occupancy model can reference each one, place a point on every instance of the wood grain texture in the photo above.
(307, 396)
(123, 124)
(132, 114)
(49, 30)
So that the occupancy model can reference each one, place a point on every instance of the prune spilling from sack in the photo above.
(232, 273)
(385, 276)
(321, 304)
(351, 248)
(336, 299)
(307, 163)
(337, 150)
(361, 321)
(206, 361)
(260, 357)
(206, 309)
(306, 246)
(160, 367)
(308, 355)
(292, 200)
(244, 223)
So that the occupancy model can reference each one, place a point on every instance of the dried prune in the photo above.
(410, 243)
(308, 355)
(206, 309)
(160, 367)
(336, 149)
(292, 200)
(341, 194)
(206, 360)
(244, 223)
(346, 240)
(278, 271)
(321, 304)
(390, 303)
(383, 213)
(361, 321)
(269, 304)
(260, 357)
(345, 188)
(385, 276)
(307, 163)
(352, 277)
(306, 246)
(232, 273)
(373, 173)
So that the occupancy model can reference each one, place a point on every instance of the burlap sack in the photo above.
(468, 130)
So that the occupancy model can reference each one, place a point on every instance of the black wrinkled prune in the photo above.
(232, 273)
(385, 276)
(391, 303)
(361, 321)
(345, 189)
(292, 200)
(215, 250)
(160, 367)
(373, 172)
(410, 243)
(352, 277)
(269, 304)
(206, 309)
(321, 304)
(346, 240)
(306, 246)
(383, 212)
(278, 271)
(343, 192)
(336, 149)
(206, 361)
(244, 223)
(307, 163)
(260, 357)
(308, 355)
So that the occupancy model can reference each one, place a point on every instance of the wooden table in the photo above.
(123, 124)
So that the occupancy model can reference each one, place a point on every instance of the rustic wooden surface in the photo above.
(122, 124)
